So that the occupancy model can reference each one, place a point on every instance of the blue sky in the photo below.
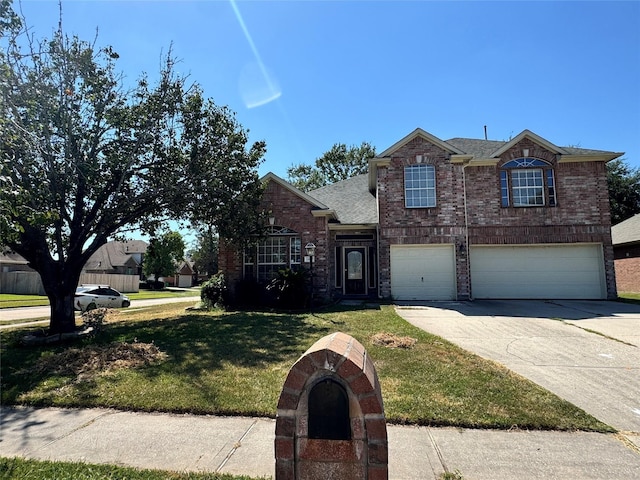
(303, 75)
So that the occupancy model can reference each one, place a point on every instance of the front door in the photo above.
(355, 278)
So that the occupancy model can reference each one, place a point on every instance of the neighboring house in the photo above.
(626, 251)
(121, 258)
(184, 276)
(10, 261)
(446, 220)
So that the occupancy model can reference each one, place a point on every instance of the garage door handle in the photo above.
(422, 279)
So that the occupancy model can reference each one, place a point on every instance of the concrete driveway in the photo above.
(585, 352)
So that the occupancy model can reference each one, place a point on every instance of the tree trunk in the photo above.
(60, 281)
(63, 317)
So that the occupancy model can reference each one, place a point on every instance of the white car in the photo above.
(89, 297)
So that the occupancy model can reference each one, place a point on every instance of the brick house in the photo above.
(120, 258)
(446, 220)
(626, 254)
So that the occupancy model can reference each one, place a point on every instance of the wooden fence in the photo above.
(29, 283)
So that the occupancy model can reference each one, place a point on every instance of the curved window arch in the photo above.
(526, 162)
(527, 182)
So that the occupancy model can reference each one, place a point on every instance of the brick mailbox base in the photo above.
(330, 422)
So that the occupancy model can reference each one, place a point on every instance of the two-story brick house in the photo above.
(446, 220)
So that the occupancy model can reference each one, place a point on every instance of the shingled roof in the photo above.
(116, 254)
(486, 148)
(350, 199)
(627, 231)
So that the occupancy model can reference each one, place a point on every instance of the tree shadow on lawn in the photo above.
(244, 339)
(196, 343)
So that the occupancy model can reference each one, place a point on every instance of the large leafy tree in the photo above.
(338, 163)
(163, 254)
(95, 158)
(205, 252)
(624, 190)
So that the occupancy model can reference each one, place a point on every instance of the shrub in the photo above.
(214, 292)
(290, 288)
(249, 293)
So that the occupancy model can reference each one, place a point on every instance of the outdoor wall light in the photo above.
(310, 248)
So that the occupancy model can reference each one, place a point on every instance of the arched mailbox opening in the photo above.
(329, 411)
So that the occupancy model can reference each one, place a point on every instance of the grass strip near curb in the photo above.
(23, 469)
(235, 363)
(10, 300)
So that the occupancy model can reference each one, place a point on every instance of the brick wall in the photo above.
(628, 275)
(340, 358)
(291, 211)
(627, 262)
(581, 214)
(442, 224)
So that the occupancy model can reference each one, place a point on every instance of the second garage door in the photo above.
(538, 272)
(423, 272)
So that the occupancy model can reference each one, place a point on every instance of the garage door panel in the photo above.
(422, 272)
(567, 271)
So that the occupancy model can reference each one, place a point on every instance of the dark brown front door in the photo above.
(355, 275)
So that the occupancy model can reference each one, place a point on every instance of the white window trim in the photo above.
(431, 191)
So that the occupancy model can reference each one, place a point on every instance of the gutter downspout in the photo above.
(466, 226)
(378, 237)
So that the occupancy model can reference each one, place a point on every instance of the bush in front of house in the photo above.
(213, 293)
(250, 293)
(290, 288)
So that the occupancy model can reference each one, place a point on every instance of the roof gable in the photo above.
(534, 138)
(272, 177)
(418, 132)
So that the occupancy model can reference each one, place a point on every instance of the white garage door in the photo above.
(423, 272)
(549, 271)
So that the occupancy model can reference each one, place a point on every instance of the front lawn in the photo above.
(167, 359)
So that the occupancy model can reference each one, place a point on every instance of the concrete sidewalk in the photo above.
(244, 446)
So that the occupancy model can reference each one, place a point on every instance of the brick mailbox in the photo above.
(330, 422)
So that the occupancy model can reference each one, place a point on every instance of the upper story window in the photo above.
(419, 186)
(527, 182)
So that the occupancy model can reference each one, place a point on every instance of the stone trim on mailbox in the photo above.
(338, 367)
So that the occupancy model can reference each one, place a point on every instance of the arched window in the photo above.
(279, 250)
(527, 182)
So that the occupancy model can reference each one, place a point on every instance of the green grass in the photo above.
(629, 297)
(174, 293)
(8, 300)
(235, 363)
(21, 469)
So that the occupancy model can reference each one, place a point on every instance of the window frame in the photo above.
(526, 165)
(258, 257)
(425, 188)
